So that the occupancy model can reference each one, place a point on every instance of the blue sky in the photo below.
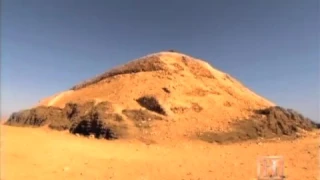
(272, 46)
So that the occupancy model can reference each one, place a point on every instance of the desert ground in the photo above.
(41, 153)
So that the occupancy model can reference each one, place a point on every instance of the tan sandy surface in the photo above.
(40, 153)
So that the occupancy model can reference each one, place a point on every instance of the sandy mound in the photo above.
(186, 94)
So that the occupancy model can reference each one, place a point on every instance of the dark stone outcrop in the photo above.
(84, 119)
(266, 123)
(152, 104)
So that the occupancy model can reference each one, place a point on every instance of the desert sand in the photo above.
(40, 153)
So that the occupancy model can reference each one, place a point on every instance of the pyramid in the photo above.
(165, 94)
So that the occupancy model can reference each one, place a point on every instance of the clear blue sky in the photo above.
(272, 46)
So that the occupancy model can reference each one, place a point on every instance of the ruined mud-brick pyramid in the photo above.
(164, 95)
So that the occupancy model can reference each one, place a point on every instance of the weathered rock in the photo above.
(84, 119)
(40, 116)
(146, 64)
(152, 104)
(266, 123)
(100, 124)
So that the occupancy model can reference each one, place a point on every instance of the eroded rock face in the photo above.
(40, 116)
(100, 127)
(101, 121)
(152, 104)
(85, 119)
(266, 123)
(145, 64)
(283, 121)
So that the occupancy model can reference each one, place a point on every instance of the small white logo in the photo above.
(271, 168)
